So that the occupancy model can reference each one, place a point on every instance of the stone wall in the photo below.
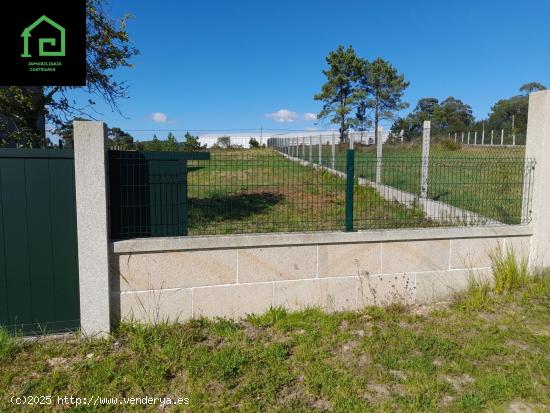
(177, 279)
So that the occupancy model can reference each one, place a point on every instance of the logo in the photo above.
(44, 43)
(41, 42)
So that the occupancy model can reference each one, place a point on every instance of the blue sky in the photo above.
(209, 65)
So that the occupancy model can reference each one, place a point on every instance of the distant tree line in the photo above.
(452, 115)
(121, 139)
(190, 143)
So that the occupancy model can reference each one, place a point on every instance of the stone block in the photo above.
(277, 263)
(349, 260)
(414, 256)
(232, 301)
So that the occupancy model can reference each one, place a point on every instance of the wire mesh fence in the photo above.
(464, 184)
(323, 187)
(489, 137)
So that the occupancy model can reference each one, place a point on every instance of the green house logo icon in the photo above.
(42, 41)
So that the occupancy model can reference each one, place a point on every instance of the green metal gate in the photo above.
(38, 244)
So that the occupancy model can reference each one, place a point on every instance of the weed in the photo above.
(509, 272)
(6, 344)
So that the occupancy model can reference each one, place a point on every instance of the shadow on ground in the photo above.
(230, 207)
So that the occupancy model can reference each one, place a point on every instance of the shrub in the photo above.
(450, 144)
(224, 142)
(254, 143)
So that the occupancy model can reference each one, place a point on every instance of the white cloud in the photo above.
(159, 117)
(282, 116)
(310, 116)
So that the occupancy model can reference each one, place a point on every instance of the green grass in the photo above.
(485, 180)
(240, 191)
(483, 352)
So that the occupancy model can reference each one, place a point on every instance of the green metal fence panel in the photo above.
(148, 193)
(38, 246)
(65, 257)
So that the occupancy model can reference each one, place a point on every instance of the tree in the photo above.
(224, 142)
(171, 144)
(24, 110)
(531, 87)
(382, 91)
(339, 93)
(511, 114)
(451, 115)
(510, 111)
(254, 143)
(405, 125)
(153, 145)
(427, 107)
(18, 118)
(412, 124)
(119, 138)
(191, 143)
(66, 133)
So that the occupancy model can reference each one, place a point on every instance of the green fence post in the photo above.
(350, 180)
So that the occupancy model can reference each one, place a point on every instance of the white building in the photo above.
(236, 139)
(305, 137)
(327, 136)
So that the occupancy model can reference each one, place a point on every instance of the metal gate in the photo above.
(38, 243)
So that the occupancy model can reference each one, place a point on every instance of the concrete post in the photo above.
(90, 165)
(462, 138)
(468, 137)
(425, 159)
(379, 158)
(501, 137)
(310, 149)
(455, 136)
(492, 136)
(538, 148)
(475, 138)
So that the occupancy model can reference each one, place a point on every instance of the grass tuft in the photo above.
(476, 297)
(6, 344)
(509, 272)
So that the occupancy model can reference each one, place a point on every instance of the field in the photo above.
(259, 190)
(486, 180)
(484, 351)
